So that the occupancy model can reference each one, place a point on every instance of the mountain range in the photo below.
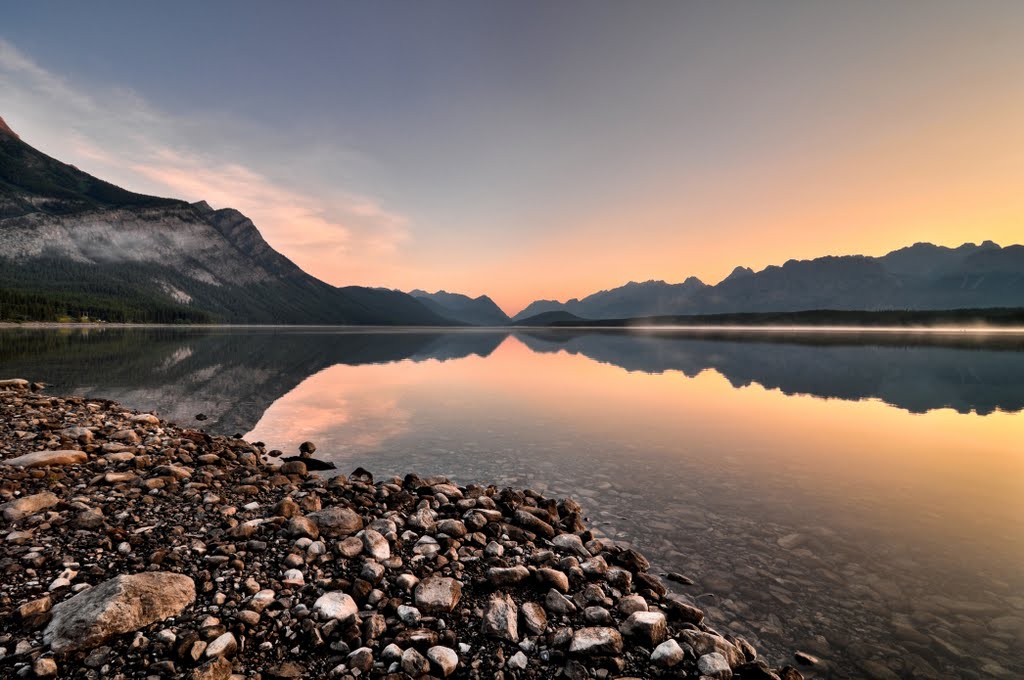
(480, 311)
(922, 276)
(74, 246)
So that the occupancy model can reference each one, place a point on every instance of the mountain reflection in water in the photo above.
(234, 375)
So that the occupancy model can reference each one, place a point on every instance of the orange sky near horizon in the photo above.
(948, 176)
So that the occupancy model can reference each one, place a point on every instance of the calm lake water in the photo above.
(859, 497)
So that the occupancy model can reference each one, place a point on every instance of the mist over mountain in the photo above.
(480, 311)
(74, 245)
(922, 276)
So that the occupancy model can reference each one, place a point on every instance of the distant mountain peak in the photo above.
(478, 311)
(6, 129)
(739, 273)
(203, 207)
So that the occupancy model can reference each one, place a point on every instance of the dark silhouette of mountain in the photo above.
(958, 318)
(230, 375)
(73, 245)
(480, 311)
(915, 372)
(657, 296)
(551, 318)
(234, 375)
(920, 277)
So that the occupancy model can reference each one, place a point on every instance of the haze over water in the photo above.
(858, 497)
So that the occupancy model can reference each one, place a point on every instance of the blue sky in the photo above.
(534, 149)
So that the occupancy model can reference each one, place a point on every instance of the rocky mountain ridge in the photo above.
(922, 276)
(479, 311)
(73, 245)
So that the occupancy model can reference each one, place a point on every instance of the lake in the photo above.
(856, 496)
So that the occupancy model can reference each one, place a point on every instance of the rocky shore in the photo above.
(133, 548)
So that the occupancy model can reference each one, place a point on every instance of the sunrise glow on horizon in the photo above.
(546, 150)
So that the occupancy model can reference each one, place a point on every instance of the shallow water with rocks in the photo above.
(858, 499)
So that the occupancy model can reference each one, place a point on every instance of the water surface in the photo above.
(856, 496)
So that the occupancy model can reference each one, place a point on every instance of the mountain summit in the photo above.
(5, 129)
(72, 245)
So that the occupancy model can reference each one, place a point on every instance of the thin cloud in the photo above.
(117, 135)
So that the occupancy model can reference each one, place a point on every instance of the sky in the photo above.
(541, 150)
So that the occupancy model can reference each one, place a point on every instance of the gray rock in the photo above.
(361, 658)
(410, 616)
(224, 645)
(597, 616)
(595, 567)
(338, 606)
(518, 662)
(649, 627)
(507, 576)
(376, 545)
(300, 526)
(414, 663)
(572, 544)
(214, 669)
(501, 618)
(48, 458)
(632, 603)
(667, 654)
(20, 508)
(533, 523)
(708, 643)
(596, 641)
(337, 521)
(444, 659)
(535, 618)
(558, 604)
(714, 665)
(681, 610)
(554, 578)
(121, 605)
(438, 594)
(451, 527)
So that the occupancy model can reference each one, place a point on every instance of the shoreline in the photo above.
(232, 566)
(810, 329)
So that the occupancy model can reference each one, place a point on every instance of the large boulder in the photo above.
(337, 521)
(20, 508)
(121, 605)
(46, 458)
